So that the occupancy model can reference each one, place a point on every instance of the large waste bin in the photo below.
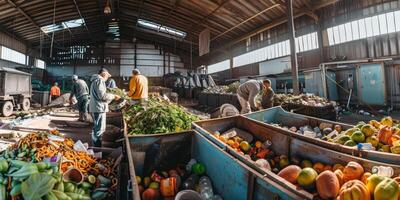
(282, 145)
(231, 178)
(277, 115)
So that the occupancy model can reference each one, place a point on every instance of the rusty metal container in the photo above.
(231, 178)
(283, 143)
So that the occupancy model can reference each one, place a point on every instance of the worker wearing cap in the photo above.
(247, 93)
(54, 92)
(138, 87)
(98, 104)
(80, 91)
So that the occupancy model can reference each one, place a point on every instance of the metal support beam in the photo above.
(166, 19)
(321, 4)
(11, 2)
(80, 15)
(293, 55)
(250, 18)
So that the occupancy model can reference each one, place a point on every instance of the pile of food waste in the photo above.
(341, 181)
(44, 165)
(223, 89)
(190, 178)
(302, 99)
(157, 116)
(383, 136)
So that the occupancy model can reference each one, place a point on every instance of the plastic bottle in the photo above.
(205, 181)
(205, 187)
(190, 164)
(365, 146)
(206, 193)
(189, 183)
(266, 144)
(383, 171)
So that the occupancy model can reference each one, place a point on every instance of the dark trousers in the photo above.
(83, 104)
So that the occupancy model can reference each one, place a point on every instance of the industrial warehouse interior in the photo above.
(199, 99)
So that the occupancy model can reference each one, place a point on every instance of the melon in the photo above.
(327, 185)
(290, 173)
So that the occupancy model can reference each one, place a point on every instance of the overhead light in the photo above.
(107, 8)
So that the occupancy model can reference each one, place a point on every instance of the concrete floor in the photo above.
(66, 122)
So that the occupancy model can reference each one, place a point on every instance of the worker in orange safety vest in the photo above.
(54, 92)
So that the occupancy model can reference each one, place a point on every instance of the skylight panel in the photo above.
(160, 28)
(63, 25)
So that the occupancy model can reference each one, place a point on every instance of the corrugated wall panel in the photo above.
(12, 43)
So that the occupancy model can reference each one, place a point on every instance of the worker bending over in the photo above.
(247, 93)
(267, 100)
(98, 104)
(138, 87)
(54, 92)
(80, 91)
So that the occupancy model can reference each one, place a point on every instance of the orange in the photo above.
(328, 168)
(365, 176)
(338, 167)
(258, 144)
(319, 167)
(236, 145)
(245, 146)
(230, 142)
(223, 139)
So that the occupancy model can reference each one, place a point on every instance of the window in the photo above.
(355, 30)
(63, 25)
(349, 33)
(383, 24)
(397, 18)
(40, 64)
(217, 67)
(363, 28)
(375, 26)
(13, 56)
(391, 22)
(303, 43)
(158, 27)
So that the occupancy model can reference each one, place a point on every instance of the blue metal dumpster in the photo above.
(277, 115)
(282, 144)
(231, 178)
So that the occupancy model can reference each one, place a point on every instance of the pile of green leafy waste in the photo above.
(157, 117)
(118, 92)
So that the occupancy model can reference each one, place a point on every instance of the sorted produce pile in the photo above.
(190, 177)
(383, 136)
(223, 89)
(34, 169)
(302, 99)
(158, 116)
(341, 181)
